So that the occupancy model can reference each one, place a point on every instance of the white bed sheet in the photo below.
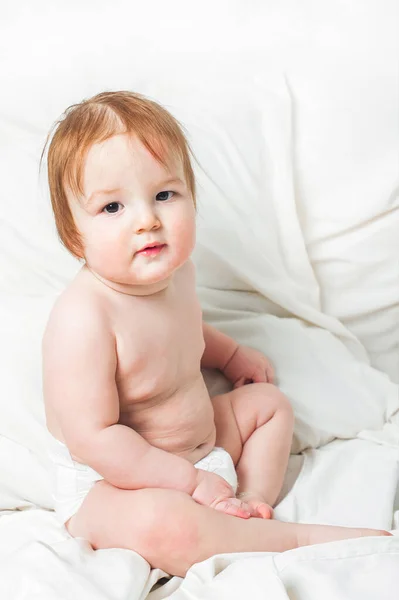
(246, 125)
(348, 482)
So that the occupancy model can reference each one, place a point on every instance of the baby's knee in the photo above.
(284, 409)
(171, 535)
(270, 396)
(284, 404)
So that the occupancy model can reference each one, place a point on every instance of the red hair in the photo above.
(93, 121)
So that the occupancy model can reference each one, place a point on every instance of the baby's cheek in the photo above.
(185, 235)
(102, 250)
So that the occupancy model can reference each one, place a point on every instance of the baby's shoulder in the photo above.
(77, 314)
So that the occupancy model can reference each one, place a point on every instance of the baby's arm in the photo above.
(240, 364)
(79, 358)
(219, 348)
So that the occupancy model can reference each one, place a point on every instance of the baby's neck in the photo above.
(132, 290)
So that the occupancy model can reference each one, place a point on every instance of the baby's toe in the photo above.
(265, 511)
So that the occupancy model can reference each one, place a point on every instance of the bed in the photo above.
(291, 111)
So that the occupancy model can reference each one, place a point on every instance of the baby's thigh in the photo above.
(156, 523)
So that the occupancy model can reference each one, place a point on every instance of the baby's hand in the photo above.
(214, 491)
(248, 366)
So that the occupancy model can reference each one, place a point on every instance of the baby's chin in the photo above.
(150, 276)
(156, 272)
(140, 273)
(135, 282)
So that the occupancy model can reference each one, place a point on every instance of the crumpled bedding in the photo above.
(346, 482)
(296, 163)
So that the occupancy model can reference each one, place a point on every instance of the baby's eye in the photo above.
(162, 196)
(112, 208)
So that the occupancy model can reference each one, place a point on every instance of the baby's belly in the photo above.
(182, 423)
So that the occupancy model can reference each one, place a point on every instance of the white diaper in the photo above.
(73, 480)
(220, 462)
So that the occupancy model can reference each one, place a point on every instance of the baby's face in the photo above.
(130, 202)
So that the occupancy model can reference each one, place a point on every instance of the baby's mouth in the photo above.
(151, 250)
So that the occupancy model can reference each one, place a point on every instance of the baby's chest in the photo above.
(159, 347)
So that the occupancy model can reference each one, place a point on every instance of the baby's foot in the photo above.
(318, 534)
(234, 507)
(259, 508)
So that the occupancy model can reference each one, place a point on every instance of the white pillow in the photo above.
(238, 113)
(24, 442)
(333, 394)
(344, 82)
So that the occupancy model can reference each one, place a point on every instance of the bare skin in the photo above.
(173, 532)
(171, 409)
(123, 388)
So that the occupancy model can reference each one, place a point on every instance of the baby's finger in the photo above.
(265, 511)
(244, 505)
(252, 511)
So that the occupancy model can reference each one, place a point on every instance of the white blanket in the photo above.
(296, 171)
(349, 483)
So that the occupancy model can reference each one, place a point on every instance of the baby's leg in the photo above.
(172, 532)
(254, 423)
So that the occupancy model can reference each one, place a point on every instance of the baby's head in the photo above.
(120, 179)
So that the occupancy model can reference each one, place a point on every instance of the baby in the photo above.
(136, 432)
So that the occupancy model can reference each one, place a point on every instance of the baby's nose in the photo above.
(146, 220)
